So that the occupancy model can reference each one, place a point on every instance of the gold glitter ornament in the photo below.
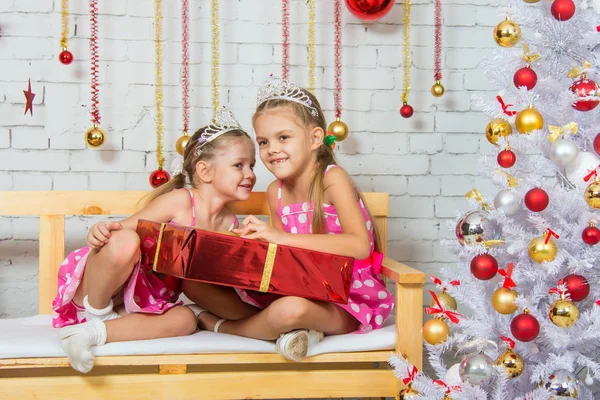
(447, 301)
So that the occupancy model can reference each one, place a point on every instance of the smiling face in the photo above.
(232, 168)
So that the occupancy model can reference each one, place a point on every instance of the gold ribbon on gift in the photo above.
(268, 270)
(576, 72)
(158, 243)
(475, 194)
(557, 131)
(529, 58)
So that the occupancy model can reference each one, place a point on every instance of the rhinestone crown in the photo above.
(278, 88)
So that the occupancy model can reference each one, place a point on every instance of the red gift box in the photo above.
(228, 260)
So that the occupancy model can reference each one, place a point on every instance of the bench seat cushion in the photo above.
(34, 337)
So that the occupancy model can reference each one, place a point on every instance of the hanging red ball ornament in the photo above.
(597, 144)
(406, 111)
(65, 57)
(369, 10)
(525, 77)
(537, 200)
(525, 327)
(591, 235)
(562, 10)
(583, 88)
(506, 158)
(159, 177)
(577, 287)
(484, 267)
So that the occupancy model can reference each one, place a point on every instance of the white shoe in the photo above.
(294, 345)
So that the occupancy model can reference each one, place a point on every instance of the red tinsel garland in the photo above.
(95, 61)
(438, 40)
(286, 39)
(338, 59)
(185, 62)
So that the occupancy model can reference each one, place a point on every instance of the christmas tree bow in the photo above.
(598, 302)
(507, 274)
(576, 72)
(509, 342)
(475, 194)
(591, 174)
(438, 282)
(557, 131)
(561, 289)
(505, 109)
(449, 389)
(512, 181)
(451, 315)
(411, 375)
(529, 58)
(549, 232)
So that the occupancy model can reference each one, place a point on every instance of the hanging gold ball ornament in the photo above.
(503, 301)
(338, 129)
(540, 251)
(437, 89)
(94, 137)
(436, 331)
(409, 393)
(531, 1)
(507, 33)
(496, 128)
(563, 313)
(182, 143)
(512, 363)
(447, 301)
(592, 194)
(529, 120)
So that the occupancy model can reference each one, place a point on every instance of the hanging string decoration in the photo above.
(285, 22)
(438, 89)
(159, 176)
(406, 110)
(65, 56)
(311, 45)
(94, 137)
(185, 76)
(215, 54)
(338, 128)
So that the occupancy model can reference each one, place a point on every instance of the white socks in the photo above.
(104, 314)
(77, 341)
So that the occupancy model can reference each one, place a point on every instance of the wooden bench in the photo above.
(196, 376)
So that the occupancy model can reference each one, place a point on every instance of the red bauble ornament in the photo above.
(484, 267)
(159, 177)
(506, 158)
(563, 10)
(65, 57)
(537, 200)
(525, 77)
(525, 327)
(591, 235)
(577, 287)
(597, 144)
(369, 10)
(583, 88)
(406, 111)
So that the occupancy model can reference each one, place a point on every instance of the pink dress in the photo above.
(144, 291)
(369, 301)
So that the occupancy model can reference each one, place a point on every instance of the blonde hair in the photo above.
(190, 159)
(325, 157)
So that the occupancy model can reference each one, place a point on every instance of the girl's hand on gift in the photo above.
(100, 232)
(254, 228)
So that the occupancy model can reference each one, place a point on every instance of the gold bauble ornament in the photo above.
(496, 128)
(338, 129)
(539, 251)
(528, 120)
(507, 33)
(436, 331)
(563, 313)
(512, 363)
(531, 1)
(592, 194)
(94, 137)
(181, 143)
(408, 393)
(447, 301)
(503, 301)
(437, 89)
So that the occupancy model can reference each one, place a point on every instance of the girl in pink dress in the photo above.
(110, 271)
(314, 205)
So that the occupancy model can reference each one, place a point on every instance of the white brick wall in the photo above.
(426, 163)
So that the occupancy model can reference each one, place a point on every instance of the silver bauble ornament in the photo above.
(452, 377)
(508, 201)
(477, 369)
(563, 152)
(580, 167)
(562, 384)
(470, 229)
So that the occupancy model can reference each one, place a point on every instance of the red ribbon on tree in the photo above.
(598, 302)
(549, 233)
(505, 107)
(451, 315)
(509, 342)
(593, 173)
(557, 289)
(437, 281)
(449, 389)
(411, 375)
(507, 274)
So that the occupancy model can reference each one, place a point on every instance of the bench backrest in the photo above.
(53, 206)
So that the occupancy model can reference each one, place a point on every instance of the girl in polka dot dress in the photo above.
(314, 205)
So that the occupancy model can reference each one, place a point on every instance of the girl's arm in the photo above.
(162, 209)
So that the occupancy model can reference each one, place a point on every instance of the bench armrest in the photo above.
(401, 273)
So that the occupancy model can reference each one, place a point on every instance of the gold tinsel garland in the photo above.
(311, 45)
(406, 43)
(158, 18)
(215, 55)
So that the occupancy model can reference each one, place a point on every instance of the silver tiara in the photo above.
(224, 121)
(277, 88)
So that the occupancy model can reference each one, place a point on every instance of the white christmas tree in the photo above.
(528, 319)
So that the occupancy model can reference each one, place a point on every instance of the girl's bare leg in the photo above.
(220, 300)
